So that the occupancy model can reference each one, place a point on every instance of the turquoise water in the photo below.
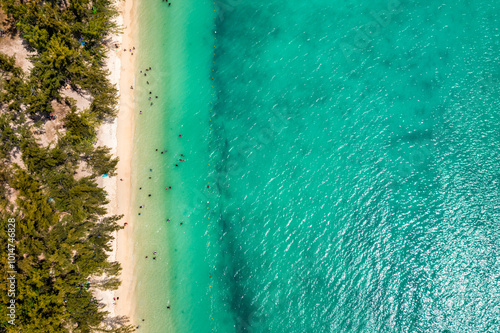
(351, 154)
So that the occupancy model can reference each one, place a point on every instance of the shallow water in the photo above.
(351, 154)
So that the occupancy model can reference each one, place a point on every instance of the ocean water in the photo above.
(341, 167)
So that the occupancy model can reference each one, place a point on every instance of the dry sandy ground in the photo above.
(119, 136)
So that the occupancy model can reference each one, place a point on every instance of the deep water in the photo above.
(357, 165)
(342, 168)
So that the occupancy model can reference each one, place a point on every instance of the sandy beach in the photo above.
(118, 135)
(125, 135)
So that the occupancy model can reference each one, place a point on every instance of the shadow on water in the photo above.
(236, 270)
(233, 261)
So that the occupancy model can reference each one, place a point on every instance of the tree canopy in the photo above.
(63, 230)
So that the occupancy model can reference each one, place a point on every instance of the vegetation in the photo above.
(63, 231)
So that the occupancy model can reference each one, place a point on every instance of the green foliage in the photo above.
(79, 127)
(63, 232)
(102, 162)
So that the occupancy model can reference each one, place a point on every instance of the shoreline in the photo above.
(118, 135)
(125, 135)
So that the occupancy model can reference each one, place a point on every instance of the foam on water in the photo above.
(352, 163)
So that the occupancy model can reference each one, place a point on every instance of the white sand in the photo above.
(118, 135)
